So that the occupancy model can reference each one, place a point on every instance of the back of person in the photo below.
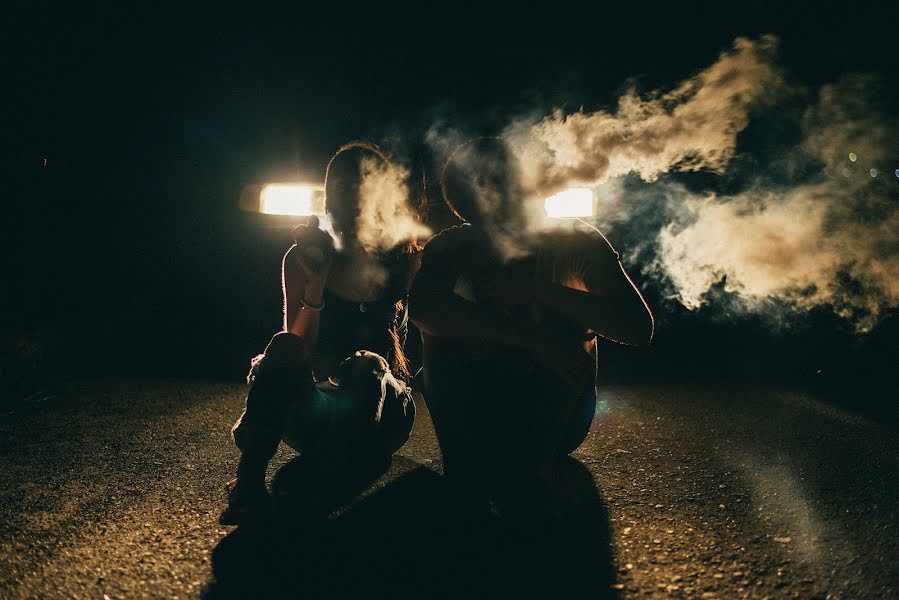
(504, 385)
(561, 257)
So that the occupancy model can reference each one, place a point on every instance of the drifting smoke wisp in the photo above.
(831, 239)
(693, 127)
(818, 229)
(385, 218)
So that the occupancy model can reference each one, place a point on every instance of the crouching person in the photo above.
(339, 397)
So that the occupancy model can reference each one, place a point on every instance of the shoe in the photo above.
(246, 504)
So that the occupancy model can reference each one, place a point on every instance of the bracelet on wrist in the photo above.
(312, 307)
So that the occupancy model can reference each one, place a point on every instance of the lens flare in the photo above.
(873, 172)
(853, 156)
(290, 199)
(571, 203)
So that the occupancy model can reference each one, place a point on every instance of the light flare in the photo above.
(297, 199)
(571, 203)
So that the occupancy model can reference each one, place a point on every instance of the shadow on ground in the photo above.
(412, 538)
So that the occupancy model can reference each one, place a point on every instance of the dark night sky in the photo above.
(151, 120)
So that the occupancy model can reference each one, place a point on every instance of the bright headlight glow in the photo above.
(571, 203)
(289, 199)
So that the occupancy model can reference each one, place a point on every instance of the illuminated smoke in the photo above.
(693, 127)
(384, 221)
(831, 239)
(793, 246)
(385, 218)
(814, 228)
(482, 181)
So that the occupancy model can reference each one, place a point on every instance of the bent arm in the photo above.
(619, 314)
(295, 286)
(611, 305)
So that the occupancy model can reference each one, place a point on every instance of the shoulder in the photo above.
(451, 233)
(405, 263)
(450, 239)
(589, 244)
(447, 253)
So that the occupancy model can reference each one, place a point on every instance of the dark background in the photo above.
(129, 132)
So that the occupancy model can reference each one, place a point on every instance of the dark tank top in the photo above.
(347, 326)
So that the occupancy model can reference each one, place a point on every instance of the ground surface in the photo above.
(113, 488)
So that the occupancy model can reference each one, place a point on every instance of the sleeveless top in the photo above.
(347, 326)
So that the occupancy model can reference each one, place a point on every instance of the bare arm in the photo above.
(612, 306)
(608, 303)
(303, 279)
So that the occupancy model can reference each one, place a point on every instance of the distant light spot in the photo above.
(853, 156)
(873, 172)
(44, 163)
(897, 172)
(602, 404)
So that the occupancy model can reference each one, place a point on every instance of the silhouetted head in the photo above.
(343, 178)
(481, 183)
(366, 377)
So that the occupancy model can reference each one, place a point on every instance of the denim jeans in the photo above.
(286, 404)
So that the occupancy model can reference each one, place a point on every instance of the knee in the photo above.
(287, 349)
(255, 439)
(397, 427)
(285, 352)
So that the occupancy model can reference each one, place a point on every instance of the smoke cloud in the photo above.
(693, 127)
(831, 239)
(385, 218)
(816, 226)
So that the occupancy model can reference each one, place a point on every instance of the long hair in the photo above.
(399, 259)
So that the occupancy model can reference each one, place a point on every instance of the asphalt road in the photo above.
(112, 489)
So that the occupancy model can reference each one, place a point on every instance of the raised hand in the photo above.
(314, 250)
